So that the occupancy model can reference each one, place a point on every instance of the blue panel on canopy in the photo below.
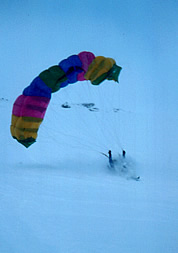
(72, 66)
(37, 88)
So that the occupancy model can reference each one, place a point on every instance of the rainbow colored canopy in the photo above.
(30, 107)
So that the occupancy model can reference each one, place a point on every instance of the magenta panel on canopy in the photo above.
(29, 106)
(86, 59)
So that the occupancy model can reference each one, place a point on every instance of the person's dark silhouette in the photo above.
(123, 153)
(110, 159)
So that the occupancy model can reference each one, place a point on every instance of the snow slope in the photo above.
(60, 198)
(59, 195)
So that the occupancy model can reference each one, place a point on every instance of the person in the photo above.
(123, 153)
(111, 163)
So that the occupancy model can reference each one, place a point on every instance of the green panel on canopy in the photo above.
(53, 77)
(27, 142)
(113, 74)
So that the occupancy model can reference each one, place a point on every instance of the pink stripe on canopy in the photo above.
(30, 106)
(86, 59)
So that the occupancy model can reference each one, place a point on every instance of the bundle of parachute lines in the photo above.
(30, 107)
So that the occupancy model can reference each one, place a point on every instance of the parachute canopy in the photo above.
(30, 107)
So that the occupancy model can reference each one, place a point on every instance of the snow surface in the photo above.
(59, 195)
